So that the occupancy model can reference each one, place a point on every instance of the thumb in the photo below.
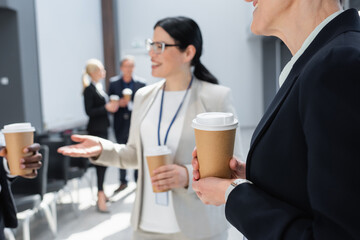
(79, 138)
(194, 153)
(234, 165)
(2, 151)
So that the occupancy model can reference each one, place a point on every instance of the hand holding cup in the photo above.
(211, 190)
(214, 137)
(112, 106)
(21, 153)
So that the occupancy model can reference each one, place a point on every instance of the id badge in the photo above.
(162, 198)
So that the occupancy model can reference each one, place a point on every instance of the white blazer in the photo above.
(195, 219)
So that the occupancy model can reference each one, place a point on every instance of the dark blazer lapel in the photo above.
(97, 92)
(349, 20)
(274, 106)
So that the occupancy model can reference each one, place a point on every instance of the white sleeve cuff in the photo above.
(233, 185)
(6, 167)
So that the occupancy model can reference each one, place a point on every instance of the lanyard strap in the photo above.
(178, 110)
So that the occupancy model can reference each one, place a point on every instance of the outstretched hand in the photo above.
(88, 146)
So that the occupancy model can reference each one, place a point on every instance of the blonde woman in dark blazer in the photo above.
(176, 47)
(97, 108)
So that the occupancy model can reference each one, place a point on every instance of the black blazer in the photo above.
(123, 115)
(95, 109)
(304, 159)
(7, 206)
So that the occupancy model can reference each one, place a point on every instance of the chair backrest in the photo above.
(36, 185)
(82, 163)
(58, 164)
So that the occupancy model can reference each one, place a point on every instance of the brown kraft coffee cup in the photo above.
(18, 136)
(114, 98)
(215, 138)
(127, 93)
(155, 158)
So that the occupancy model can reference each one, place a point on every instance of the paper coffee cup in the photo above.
(114, 98)
(157, 157)
(17, 137)
(215, 138)
(127, 92)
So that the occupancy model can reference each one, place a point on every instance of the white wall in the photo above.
(230, 51)
(69, 32)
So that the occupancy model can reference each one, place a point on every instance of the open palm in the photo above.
(88, 146)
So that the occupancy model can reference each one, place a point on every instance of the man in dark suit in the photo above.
(303, 167)
(123, 115)
(7, 207)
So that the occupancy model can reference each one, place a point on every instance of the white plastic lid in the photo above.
(215, 121)
(114, 97)
(157, 151)
(18, 127)
(126, 91)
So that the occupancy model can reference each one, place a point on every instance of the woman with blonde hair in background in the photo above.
(97, 109)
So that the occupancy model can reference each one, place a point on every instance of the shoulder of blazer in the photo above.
(139, 80)
(339, 56)
(146, 91)
(211, 94)
(90, 89)
(114, 82)
(88, 92)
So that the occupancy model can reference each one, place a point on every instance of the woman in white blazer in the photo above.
(162, 115)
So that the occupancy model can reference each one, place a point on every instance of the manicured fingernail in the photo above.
(22, 166)
(26, 150)
(22, 160)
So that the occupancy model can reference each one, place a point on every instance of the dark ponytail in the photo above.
(185, 32)
(201, 72)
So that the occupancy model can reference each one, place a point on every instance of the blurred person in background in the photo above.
(123, 115)
(97, 108)
(162, 115)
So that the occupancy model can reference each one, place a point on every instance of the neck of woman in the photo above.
(301, 20)
(95, 80)
(179, 81)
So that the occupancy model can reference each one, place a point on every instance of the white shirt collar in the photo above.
(285, 72)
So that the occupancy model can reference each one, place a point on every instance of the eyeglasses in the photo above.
(157, 47)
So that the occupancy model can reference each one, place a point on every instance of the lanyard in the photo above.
(178, 110)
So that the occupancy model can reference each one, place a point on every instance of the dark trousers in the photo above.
(100, 170)
(122, 175)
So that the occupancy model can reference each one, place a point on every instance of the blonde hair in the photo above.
(92, 65)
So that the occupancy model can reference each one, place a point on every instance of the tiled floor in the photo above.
(89, 224)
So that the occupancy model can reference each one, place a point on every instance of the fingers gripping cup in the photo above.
(17, 137)
(127, 92)
(157, 157)
(214, 138)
